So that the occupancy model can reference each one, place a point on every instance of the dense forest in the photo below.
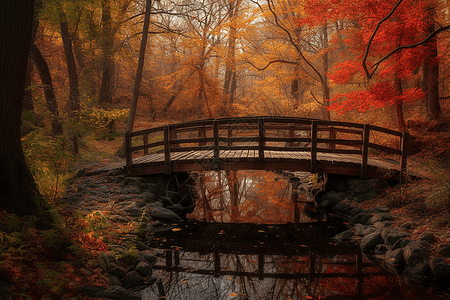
(97, 68)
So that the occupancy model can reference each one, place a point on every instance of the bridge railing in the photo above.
(268, 133)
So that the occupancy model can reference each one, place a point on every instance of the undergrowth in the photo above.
(52, 263)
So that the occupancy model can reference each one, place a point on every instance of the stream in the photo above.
(255, 235)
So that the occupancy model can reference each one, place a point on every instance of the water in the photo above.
(244, 241)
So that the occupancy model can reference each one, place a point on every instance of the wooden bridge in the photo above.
(267, 143)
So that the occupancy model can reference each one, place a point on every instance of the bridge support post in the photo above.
(128, 154)
(313, 166)
(216, 145)
(167, 150)
(365, 150)
(261, 138)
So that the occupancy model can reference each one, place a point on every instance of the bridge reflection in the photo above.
(256, 261)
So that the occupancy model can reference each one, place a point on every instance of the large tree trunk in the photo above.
(28, 96)
(47, 83)
(74, 96)
(18, 191)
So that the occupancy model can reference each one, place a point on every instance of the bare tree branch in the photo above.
(291, 39)
(412, 45)
(272, 62)
(366, 54)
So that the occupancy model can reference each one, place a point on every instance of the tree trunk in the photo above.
(399, 105)
(107, 44)
(74, 96)
(230, 68)
(28, 96)
(18, 191)
(325, 85)
(47, 83)
(138, 78)
(431, 73)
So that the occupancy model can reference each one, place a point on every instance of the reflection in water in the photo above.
(252, 196)
(200, 260)
(253, 242)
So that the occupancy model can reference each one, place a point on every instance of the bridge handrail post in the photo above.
(216, 156)
(261, 138)
(128, 154)
(404, 155)
(167, 149)
(145, 141)
(291, 135)
(313, 166)
(365, 150)
(332, 135)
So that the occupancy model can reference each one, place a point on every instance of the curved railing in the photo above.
(268, 133)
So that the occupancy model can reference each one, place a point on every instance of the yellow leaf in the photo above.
(176, 229)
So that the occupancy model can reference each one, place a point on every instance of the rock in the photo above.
(380, 249)
(115, 281)
(131, 279)
(393, 236)
(342, 207)
(362, 218)
(108, 258)
(165, 215)
(133, 210)
(439, 268)
(147, 256)
(416, 252)
(344, 236)
(443, 249)
(359, 229)
(355, 211)
(141, 246)
(379, 210)
(401, 243)
(133, 181)
(148, 196)
(395, 257)
(427, 237)
(370, 241)
(418, 274)
(407, 226)
(380, 217)
(330, 199)
(165, 200)
(144, 269)
(117, 271)
(130, 189)
(380, 225)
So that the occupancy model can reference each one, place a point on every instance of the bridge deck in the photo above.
(249, 160)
